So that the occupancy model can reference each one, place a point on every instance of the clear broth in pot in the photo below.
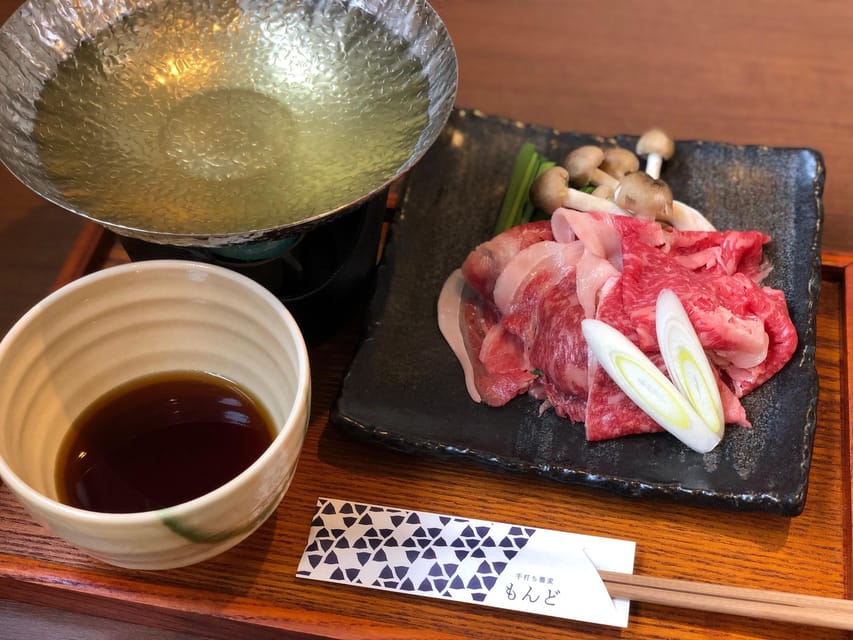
(214, 120)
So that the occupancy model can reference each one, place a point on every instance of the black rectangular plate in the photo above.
(406, 389)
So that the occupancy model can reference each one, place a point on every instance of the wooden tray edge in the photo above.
(87, 253)
(846, 413)
(212, 615)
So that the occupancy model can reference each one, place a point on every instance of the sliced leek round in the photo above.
(647, 386)
(686, 361)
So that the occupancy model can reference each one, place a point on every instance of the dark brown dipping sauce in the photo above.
(160, 440)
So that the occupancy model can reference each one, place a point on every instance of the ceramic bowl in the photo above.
(126, 322)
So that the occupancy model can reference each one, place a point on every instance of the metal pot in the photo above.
(215, 93)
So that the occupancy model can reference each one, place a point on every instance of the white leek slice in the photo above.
(647, 387)
(686, 361)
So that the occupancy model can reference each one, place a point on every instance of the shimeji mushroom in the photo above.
(655, 146)
(582, 165)
(618, 162)
(644, 197)
(551, 190)
(636, 193)
(586, 166)
(583, 169)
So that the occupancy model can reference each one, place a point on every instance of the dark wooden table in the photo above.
(774, 73)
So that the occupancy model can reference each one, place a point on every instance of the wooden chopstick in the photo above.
(781, 606)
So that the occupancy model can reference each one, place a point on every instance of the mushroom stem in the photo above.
(582, 201)
(686, 218)
(604, 191)
(654, 163)
(551, 190)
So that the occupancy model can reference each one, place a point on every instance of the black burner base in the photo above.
(323, 277)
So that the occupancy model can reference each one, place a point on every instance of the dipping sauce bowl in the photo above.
(137, 320)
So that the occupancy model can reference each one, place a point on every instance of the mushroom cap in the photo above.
(643, 196)
(618, 161)
(657, 142)
(582, 163)
(550, 190)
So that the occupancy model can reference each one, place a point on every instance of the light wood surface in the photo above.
(762, 72)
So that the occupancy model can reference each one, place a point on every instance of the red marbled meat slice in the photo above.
(486, 262)
(609, 412)
(500, 359)
(544, 312)
(613, 268)
(773, 310)
(546, 316)
(560, 349)
(745, 327)
(500, 365)
(727, 252)
(555, 259)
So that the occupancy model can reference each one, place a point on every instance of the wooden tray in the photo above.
(252, 591)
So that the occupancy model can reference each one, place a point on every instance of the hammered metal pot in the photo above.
(204, 62)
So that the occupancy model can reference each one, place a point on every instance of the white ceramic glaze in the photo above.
(125, 322)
